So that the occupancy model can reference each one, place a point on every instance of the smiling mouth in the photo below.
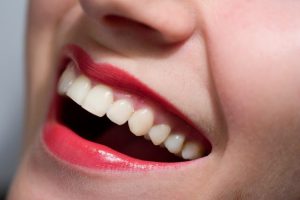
(104, 118)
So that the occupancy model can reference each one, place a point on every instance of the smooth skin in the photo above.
(236, 63)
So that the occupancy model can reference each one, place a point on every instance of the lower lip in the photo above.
(66, 145)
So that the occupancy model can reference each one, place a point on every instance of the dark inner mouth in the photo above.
(101, 130)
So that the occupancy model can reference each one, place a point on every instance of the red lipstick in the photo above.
(66, 145)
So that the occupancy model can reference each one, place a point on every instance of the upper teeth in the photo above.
(99, 100)
(159, 133)
(141, 121)
(120, 111)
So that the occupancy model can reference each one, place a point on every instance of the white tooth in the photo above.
(159, 133)
(120, 111)
(141, 121)
(98, 100)
(79, 89)
(174, 142)
(191, 150)
(66, 79)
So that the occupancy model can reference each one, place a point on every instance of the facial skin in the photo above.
(236, 63)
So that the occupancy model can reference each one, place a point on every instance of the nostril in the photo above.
(155, 22)
(116, 21)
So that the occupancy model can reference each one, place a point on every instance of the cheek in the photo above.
(257, 85)
(255, 58)
(43, 17)
(44, 13)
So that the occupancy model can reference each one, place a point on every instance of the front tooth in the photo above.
(191, 150)
(141, 121)
(79, 89)
(66, 79)
(174, 142)
(98, 100)
(120, 111)
(159, 133)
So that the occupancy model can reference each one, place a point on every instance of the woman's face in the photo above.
(218, 81)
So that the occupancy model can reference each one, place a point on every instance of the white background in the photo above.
(12, 24)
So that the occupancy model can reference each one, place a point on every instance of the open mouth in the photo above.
(127, 123)
(103, 131)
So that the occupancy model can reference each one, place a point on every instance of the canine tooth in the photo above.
(191, 150)
(120, 111)
(174, 142)
(79, 89)
(98, 100)
(66, 79)
(141, 121)
(159, 133)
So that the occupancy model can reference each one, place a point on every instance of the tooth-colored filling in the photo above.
(100, 99)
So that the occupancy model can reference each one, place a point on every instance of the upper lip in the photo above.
(118, 78)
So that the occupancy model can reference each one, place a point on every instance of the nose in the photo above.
(174, 21)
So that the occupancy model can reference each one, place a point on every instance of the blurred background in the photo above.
(12, 23)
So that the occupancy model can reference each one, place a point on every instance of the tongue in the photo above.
(121, 139)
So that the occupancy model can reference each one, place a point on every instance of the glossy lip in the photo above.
(66, 145)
